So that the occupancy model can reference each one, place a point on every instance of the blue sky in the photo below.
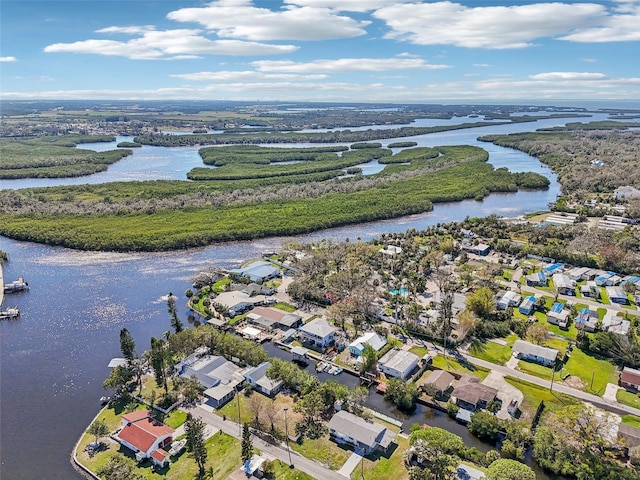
(401, 51)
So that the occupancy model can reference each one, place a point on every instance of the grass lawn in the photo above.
(628, 398)
(631, 420)
(383, 467)
(490, 351)
(533, 395)
(223, 454)
(324, 451)
(175, 418)
(283, 472)
(569, 334)
(285, 307)
(535, 369)
(247, 415)
(220, 285)
(584, 366)
(450, 364)
(419, 351)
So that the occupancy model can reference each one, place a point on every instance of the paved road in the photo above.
(229, 427)
(604, 403)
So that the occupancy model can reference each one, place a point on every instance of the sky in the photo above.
(389, 51)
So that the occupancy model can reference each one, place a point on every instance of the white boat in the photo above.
(320, 366)
(11, 312)
(16, 286)
(337, 370)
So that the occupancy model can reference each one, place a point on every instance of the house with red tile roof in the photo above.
(146, 436)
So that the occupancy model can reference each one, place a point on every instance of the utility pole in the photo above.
(553, 374)
(238, 402)
(286, 432)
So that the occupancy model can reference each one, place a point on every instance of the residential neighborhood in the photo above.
(491, 339)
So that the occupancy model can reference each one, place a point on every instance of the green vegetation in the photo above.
(628, 398)
(54, 157)
(402, 144)
(533, 395)
(631, 420)
(463, 174)
(384, 466)
(490, 351)
(451, 365)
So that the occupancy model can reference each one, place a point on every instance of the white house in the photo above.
(318, 333)
(364, 435)
(372, 339)
(534, 353)
(257, 378)
(509, 299)
(612, 323)
(564, 285)
(398, 363)
(617, 295)
(145, 436)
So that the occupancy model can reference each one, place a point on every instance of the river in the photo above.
(54, 358)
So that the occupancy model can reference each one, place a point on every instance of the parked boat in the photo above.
(16, 286)
(320, 366)
(9, 313)
(337, 370)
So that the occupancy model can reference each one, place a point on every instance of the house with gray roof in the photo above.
(220, 377)
(439, 380)
(257, 272)
(472, 395)
(257, 378)
(535, 353)
(318, 333)
(365, 436)
(398, 363)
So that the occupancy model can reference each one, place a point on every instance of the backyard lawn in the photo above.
(449, 363)
(383, 467)
(628, 398)
(631, 420)
(533, 395)
(324, 451)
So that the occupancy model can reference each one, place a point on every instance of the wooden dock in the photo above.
(1, 285)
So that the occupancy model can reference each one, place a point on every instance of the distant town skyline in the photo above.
(393, 51)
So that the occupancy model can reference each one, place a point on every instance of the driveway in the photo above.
(506, 392)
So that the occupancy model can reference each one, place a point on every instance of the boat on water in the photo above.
(16, 286)
(9, 313)
(320, 366)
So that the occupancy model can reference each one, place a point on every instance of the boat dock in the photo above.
(1, 283)
(9, 313)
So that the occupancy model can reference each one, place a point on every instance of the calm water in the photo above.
(54, 358)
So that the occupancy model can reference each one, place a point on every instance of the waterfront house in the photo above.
(558, 315)
(220, 377)
(471, 395)
(617, 295)
(630, 378)
(438, 380)
(587, 320)
(564, 285)
(534, 353)
(318, 333)
(527, 306)
(365, 436)
(281, 320)
(145, 436)
(509, 299)
(538, 279)
(373, 339)
(398, 363)
(257, 378)
(257, 272)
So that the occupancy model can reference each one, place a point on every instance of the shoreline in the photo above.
(75, 463)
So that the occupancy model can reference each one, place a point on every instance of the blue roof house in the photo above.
(527, 306)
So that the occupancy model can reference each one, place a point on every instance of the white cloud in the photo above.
(481, 65)
(131, 30)
(347, 5)
(568, 76)
(494, 27)
(8, 59)
(249, 75)
(346, 65)
(241, 19)
(623, 26)
(169, 44)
